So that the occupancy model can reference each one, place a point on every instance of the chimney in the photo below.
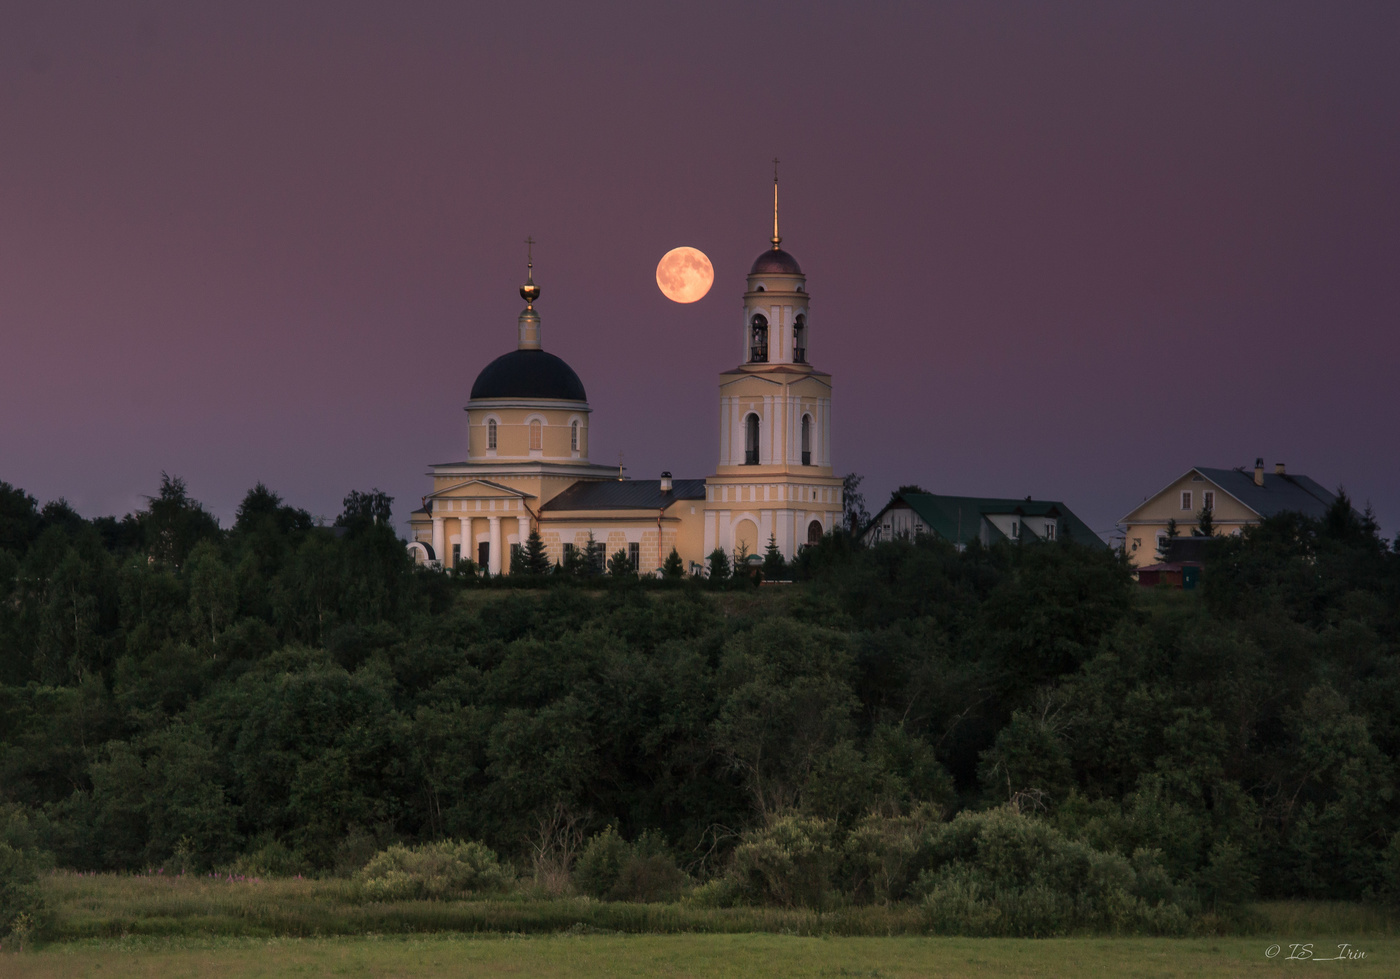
(665, 482)
(1278, 469)
(1259, 471)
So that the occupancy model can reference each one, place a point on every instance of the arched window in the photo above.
(814, 532)
(806, 440)
(573, 436)
(491, 434)
(536, 435)
(751, 440)
(758, 339)
(799, 339)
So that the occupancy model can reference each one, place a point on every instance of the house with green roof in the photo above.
(964, 519)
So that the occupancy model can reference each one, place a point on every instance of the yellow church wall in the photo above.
(513, 433)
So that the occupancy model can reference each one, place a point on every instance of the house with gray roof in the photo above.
(1235, 499)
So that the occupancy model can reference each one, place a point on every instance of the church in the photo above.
(527, 466)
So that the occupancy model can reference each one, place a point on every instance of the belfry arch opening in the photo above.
(799, 339)
(758, 339)
(751, 440)
(806, 440)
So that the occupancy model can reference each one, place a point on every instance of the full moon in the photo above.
(684, 274)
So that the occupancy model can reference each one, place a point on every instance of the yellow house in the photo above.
(1235, 498)
(527, 465)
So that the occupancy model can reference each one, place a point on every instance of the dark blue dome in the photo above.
(775, 261)
(530, 374)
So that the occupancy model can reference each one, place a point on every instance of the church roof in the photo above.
(775, 261)
(625, 494)
(528, 374)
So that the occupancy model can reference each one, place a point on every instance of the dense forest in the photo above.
(295, 699)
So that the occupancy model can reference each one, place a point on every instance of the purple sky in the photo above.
(1065, 250)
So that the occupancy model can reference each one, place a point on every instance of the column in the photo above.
(495, 563)
(465, 523)
(440, 540)
(524, 525)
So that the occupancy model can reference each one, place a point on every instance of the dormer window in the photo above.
(758, 339)
(491, 434)
(799, 340)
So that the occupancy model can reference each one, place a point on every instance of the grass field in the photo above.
(683, 955)
(113, 925)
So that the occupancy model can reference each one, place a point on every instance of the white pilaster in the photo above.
(465, 525)
(439, 539)
(495, 561)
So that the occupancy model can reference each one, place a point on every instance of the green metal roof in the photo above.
(960, 518)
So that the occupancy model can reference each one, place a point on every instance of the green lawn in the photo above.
(681, 955)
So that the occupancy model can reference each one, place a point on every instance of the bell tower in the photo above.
(775, 479)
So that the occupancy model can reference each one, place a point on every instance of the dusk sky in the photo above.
(1067, 250)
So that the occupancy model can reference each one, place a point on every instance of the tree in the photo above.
(575, 563)
(907, 488)
(595, 554)
(365, 509)
(173, 524)
(719, 566)
(774, 567)
(213, 594)
(1164, 543)
(620, 565)
(855, 515)
(1205, 523)
(534, 559)
(674, 567)
(19, 519)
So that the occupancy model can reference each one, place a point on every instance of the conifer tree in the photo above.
(575, 563)
(1205, 523)
(620, 565)
(719, 566)
(674, 567)
(1164, 543)
(534, 558)
(774, 567)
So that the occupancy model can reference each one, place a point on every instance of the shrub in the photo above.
(449, 868)
(22, 908)
(600, 863)
(879, 854)
(612, 869)
(1003, 873)
(648, 879)
(789, 862)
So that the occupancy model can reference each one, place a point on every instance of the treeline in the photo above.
(293, 699)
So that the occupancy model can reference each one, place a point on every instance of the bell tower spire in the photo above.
(775, 479)
(777, 239)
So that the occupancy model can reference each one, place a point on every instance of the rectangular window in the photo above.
(456, 554)
(483, 554)
(1209, 499)
(568, 549)
(1049, 531)
(1015, 529)
(1185, 499)
(634, 554)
